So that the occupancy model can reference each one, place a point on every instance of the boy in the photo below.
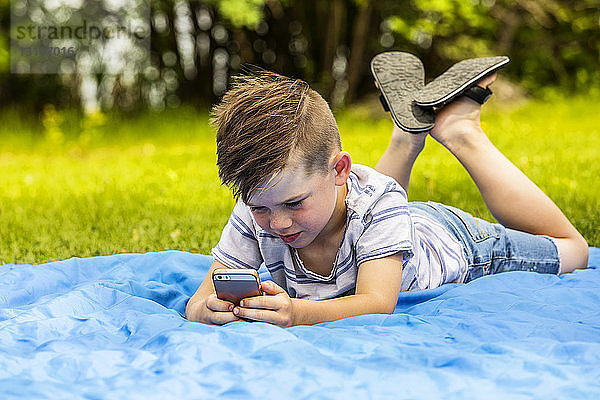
(345, 234)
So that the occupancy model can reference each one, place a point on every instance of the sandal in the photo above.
(400, 76)
(460, 79)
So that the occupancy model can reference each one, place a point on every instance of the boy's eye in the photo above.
(294, 204)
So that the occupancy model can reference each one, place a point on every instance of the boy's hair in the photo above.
(262, 121)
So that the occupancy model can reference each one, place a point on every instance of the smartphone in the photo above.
(236, 284)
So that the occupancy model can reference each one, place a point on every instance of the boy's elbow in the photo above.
(188, 310)
(385, 306)
(390, 309)
(385, 310)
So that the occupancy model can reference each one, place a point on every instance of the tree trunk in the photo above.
(510, 24)
(200, 84)
(360, 35)
(332, 41)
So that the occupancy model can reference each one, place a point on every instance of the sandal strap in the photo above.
(478, 94)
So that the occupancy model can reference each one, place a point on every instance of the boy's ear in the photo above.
(342, 164)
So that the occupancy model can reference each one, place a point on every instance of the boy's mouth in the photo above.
(290, 238)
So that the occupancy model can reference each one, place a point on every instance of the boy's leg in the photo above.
(514, 200)
(398, 159)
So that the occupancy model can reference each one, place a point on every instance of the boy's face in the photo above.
(299, 206)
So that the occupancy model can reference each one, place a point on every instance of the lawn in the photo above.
(105, 185)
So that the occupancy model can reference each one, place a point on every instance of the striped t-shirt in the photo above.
(378, 224)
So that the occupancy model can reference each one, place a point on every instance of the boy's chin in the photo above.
(298, 244)
(301, 242)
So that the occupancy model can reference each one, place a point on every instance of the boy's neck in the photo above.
(331, 235)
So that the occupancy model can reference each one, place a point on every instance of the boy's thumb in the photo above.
(271, 287)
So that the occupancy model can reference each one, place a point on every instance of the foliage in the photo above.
(241, 13)
(196, 45)
(565, 35)
(103, 184)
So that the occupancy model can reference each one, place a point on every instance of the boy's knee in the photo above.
(585, 251)
(574, 253)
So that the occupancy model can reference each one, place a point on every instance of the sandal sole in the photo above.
(457, 79)
(400, 76)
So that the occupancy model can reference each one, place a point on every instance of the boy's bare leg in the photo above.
(398, 159)
(514, 200)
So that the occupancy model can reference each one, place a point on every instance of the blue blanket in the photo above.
(112, 327)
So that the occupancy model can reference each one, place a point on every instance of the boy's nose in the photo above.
(279, 221)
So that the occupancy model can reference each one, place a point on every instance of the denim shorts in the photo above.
(491, 248)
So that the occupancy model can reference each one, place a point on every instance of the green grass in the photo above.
(96, 186)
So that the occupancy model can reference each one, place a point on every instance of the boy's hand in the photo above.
(212, 311)
(275, 307)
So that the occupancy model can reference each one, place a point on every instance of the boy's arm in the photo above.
(377, 288)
